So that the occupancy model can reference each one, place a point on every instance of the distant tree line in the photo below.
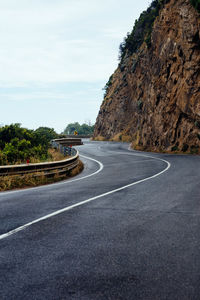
(84, 129)
(17, 144)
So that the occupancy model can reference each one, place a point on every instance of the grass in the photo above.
(30, 180)
(55, 155)
(120, 137)
(99, 138)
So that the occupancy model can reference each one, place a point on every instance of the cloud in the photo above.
(45, 44)
(52, 41)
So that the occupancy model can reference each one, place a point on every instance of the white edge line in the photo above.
(5, 235)
(101, 166)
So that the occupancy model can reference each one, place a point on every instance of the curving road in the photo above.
(127, 227)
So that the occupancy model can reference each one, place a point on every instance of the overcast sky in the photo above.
(57, 55)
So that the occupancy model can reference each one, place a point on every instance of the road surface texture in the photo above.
(127, 227)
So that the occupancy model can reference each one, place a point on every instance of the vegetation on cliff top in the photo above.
(141, 33)
(196, 4)
(143, 27)
(142, 30)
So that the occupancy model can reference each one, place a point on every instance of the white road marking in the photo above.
(143, 155)
(137, 154)
(101, 166)
(7, 234)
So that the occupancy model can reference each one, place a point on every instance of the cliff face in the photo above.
(153, 98)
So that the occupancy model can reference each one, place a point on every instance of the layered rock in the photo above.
(153, 98)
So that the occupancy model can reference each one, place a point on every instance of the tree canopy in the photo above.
(142, 30)
(84, 129)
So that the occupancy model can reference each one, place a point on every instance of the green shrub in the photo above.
(18, 144)
(175, 148)
(194, 149)
(139, 104)
(196, 4)
(3, 158)
(197, 124)
(185, 147)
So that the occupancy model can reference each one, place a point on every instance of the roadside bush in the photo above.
(3, 158)
(18, 144)
(194, 149)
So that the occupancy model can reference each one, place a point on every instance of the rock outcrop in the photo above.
(153, 98)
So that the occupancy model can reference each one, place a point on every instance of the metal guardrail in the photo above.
(81, 136)
(67, 142)
(64, 145)
(49, 168)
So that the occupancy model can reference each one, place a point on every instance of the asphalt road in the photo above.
(127, 227)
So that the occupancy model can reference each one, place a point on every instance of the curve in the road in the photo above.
(5, 235)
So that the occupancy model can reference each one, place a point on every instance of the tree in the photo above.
(83, 129)
(45, 134)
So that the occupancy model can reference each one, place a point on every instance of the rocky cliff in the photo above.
(153, 98)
